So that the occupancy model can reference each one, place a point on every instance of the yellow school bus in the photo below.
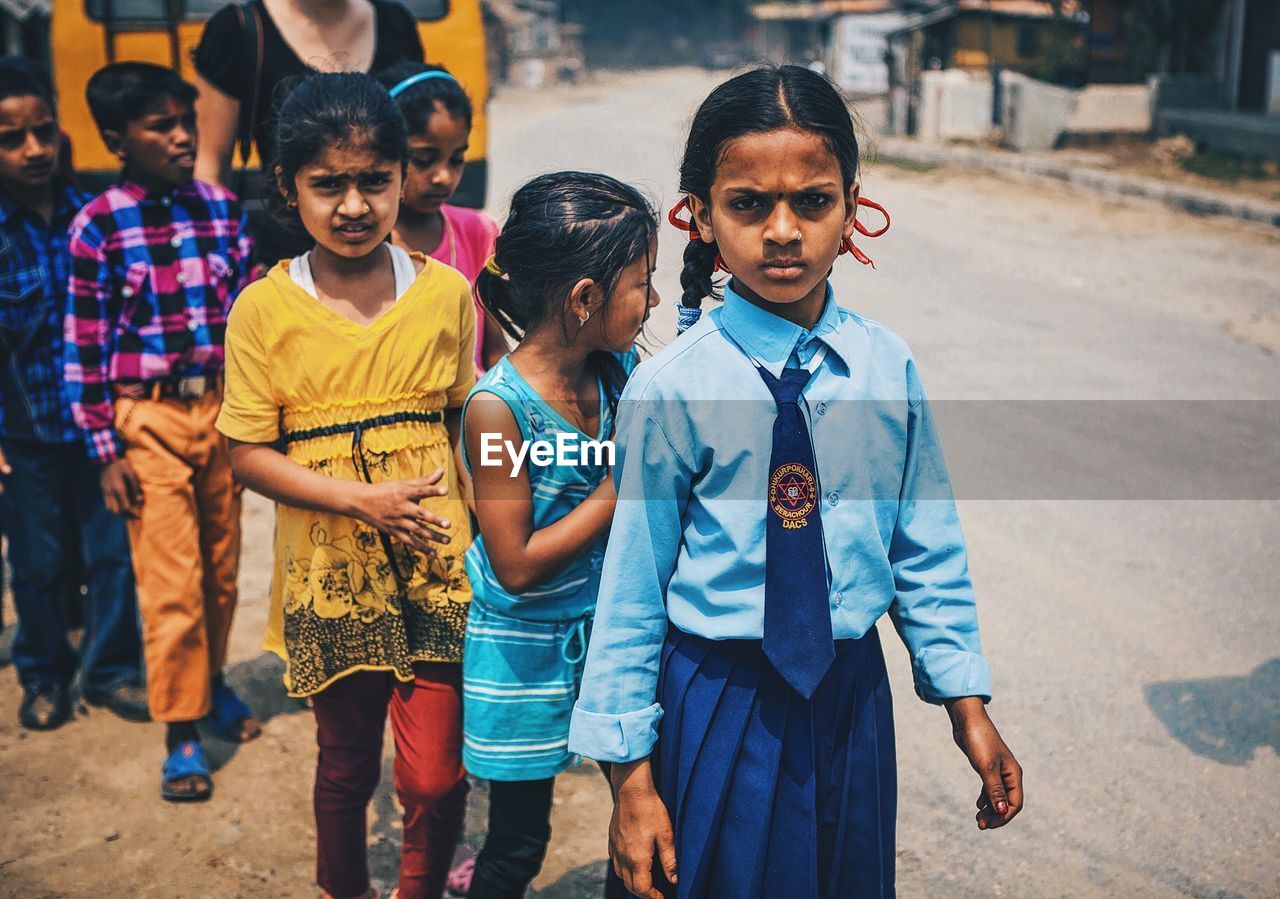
(88, 34)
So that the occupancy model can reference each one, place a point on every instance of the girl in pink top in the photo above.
(438, 113)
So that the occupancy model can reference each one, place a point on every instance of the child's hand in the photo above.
(639, 830)
(392, 508)
(121, 489)
(977, 737)
(5, 469)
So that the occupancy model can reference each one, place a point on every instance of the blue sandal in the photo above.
(229, 715)
(186, 760)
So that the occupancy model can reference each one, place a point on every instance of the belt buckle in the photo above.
(192, 388)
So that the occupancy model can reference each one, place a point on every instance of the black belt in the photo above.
(357, 430)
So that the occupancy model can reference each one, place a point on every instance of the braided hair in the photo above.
(561, 228)
(764, 99)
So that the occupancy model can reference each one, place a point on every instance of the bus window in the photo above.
(427, 10)
(149, 12)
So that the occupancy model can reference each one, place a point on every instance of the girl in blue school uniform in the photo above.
(780, 488)
(570, 280)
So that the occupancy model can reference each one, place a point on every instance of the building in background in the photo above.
(846, 37)
(531, 44)
(1217, 74)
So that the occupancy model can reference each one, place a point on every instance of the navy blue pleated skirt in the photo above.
(770, 794)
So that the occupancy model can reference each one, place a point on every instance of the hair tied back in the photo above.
(692, 228)
(491, 266)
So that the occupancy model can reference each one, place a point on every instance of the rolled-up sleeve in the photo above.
(616, 716)
(933, 609)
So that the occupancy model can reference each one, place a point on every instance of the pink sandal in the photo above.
(459, 881)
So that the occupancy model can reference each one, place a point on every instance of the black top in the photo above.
(221, 60)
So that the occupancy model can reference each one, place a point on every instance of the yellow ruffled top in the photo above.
(338, 604)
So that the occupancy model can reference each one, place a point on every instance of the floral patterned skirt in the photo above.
(339, 605)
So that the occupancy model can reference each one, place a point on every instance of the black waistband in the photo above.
(358, 427)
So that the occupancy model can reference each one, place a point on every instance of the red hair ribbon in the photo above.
(846, 245)
(692, 227)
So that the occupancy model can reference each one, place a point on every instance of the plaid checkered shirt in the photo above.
(153, 276)
(34, 266)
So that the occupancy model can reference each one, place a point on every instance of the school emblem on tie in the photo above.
(793, 490)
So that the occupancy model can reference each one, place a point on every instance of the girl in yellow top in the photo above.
(345, 370)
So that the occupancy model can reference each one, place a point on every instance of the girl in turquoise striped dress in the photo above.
(571, 281)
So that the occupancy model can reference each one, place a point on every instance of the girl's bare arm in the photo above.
(523, 558)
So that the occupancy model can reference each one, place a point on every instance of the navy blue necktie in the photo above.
(797, 617)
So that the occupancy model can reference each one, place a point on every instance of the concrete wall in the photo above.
(1035, 113)
(1112, 109)
(954, 105)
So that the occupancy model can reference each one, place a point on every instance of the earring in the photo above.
(292, 204)
(582, 321)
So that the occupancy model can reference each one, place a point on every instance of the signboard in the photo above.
(860, 52)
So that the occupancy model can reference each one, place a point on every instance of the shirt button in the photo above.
(126, 292)
(833, 498)
(822, 408)
(175, 241)
(839, 598)
(193, 326)
(182, 278)
(165, 201)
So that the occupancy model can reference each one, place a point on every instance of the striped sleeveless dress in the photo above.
(524, 654)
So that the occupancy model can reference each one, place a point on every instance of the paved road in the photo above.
(1123, 541)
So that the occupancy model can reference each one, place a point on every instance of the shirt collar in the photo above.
(771, 339)
(67, 202)
(141, 194)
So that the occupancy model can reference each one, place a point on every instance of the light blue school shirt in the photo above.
(687, 545)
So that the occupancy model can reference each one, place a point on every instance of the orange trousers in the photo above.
(186, 547)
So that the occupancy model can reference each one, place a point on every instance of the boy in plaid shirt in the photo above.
(156, 262)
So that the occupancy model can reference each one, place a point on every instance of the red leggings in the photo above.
(426, 721)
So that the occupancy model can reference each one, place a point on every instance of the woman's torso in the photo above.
(281, 63)
(223, 61)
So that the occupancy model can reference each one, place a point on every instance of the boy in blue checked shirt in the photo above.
(48, 486)
(156, 262)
